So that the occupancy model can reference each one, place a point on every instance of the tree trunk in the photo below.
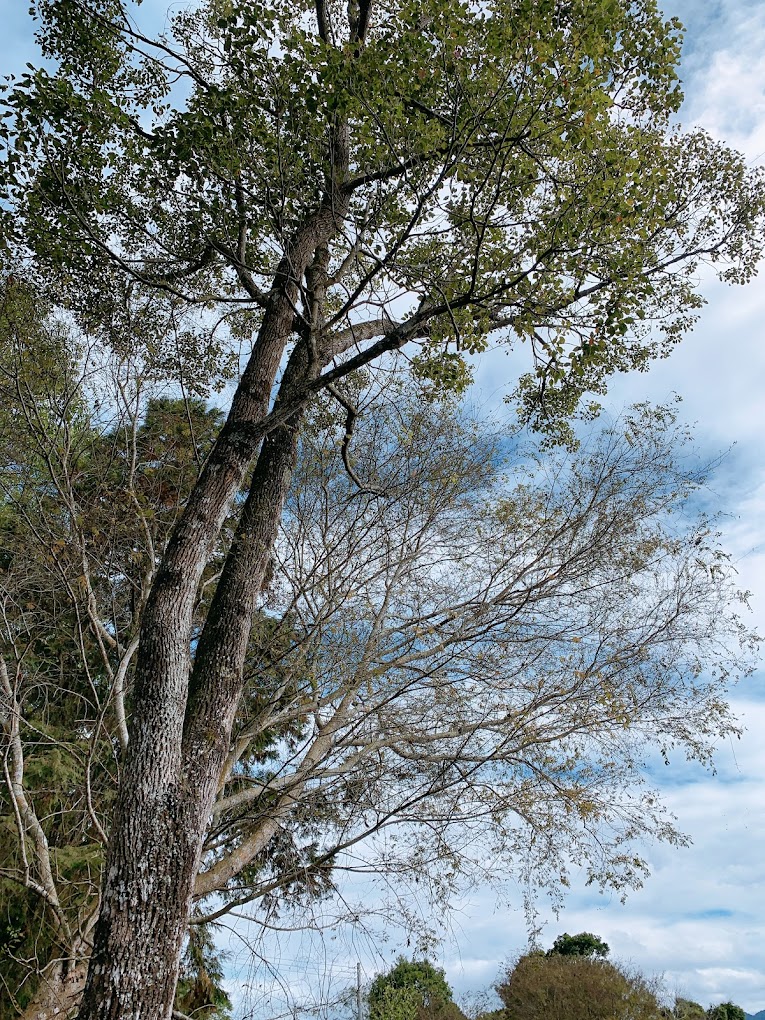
(58, 995)
(179, 738)
(169, 783)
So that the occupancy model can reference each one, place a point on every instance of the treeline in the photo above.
(573, 980)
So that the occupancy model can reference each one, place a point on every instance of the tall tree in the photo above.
(335, 183)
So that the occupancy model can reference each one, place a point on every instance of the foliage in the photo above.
(200, 992)
(576, 987)
(726, 1011)
(418, 646)
(412, 990)
(504, 168)
(396, 1003)
(427, 981)
(687, 1009)
(583, 944)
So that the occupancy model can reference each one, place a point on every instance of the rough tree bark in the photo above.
(59, 993)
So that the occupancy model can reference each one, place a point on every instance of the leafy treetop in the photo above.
(428, 981)
(583, 944)
(441, 175)
(726, 1011)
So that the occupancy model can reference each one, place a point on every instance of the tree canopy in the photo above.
(575, 987)
(583, 944)
(687, 1009)
(460, 173)
(412, 990)
(726, 1011)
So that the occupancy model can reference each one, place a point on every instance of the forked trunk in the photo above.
(172, 771)
(181, 730)
(59, 994)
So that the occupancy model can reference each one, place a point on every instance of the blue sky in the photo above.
(699, 919)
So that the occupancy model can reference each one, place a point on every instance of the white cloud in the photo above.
(724, 71)
(698, 920)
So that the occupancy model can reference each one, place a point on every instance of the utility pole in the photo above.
(358, 991)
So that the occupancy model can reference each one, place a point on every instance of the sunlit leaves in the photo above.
(508, 172)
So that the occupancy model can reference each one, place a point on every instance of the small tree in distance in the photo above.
(687, 1009)
(726, 1011)
(583, 944)
(575, 987)
(412, 990)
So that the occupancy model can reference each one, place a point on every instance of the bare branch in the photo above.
(350, 420)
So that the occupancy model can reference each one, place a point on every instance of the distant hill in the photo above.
(756, 1016)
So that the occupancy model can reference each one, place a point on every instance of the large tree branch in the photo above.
(363, 19)
(395, 170)
(220, 873)
(322, 20)
(337, 342)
